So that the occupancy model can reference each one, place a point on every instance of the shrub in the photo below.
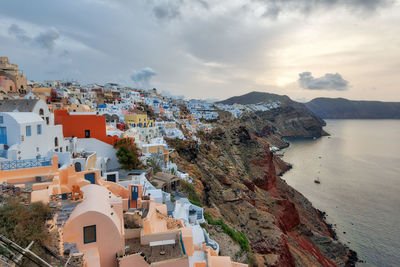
(237, 236)
(127, 154)
(155, 161)
(193, 197)
(23, 224)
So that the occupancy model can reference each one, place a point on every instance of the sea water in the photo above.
(359, 169)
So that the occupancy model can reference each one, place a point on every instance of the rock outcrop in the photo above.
(237, 180)
(341, 108)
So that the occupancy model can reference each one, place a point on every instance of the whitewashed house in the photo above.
(37, 106)
(25, 135)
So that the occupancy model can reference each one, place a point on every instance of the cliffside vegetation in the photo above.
(236, 181)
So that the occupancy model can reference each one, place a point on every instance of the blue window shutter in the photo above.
(28, 131)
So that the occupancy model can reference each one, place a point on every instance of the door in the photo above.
(90, 177)
(135, 192)
(3, 135)
(87, 133)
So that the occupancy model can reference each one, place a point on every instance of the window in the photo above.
(39, 129)
(28, 131)
(56, 141)
(89, 234)
(47, 120)
(78, 167)
(66, 148)
(1, 119)
(60, 149)
(87, 133)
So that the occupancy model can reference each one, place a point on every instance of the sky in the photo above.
(211, 49)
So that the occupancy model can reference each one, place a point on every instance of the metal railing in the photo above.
(59, 197)
(25, 164)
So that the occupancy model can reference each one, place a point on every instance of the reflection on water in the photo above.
(359, 169)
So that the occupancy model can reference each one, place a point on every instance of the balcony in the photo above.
(25, 164)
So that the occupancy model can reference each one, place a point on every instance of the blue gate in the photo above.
(3, 135)
(90, 177)
(134, 194)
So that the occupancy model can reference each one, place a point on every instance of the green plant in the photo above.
(237, 236)
(193, 197)
(127, 154)
(204, 225)
(155, 162)
(197, 203)
(23, 224)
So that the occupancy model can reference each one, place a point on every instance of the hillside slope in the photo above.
(255, 98)
(290, 119)
(236, 179)
(340, 108)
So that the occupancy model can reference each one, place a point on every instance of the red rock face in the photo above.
(306, 245)
(285, 257)
(288, 216)
(268, 181)
(271, 173)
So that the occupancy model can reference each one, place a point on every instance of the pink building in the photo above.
(7, 85)
(96, 226)
(117, 226)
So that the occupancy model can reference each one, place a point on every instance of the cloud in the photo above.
(167, 11)
(142, 77)
(47, 39)
(274, 8)
(327, 82)
(172, 9)
(19, 33)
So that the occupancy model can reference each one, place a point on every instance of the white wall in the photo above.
(46, 113)
(102, 149)
(29, 147)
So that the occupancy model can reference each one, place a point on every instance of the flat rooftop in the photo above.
(156, 253)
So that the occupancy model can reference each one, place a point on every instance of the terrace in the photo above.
(156, 251)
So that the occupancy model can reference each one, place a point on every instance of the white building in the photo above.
(25, 135)
(37, 106)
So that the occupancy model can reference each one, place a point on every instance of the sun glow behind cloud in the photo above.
(214, 48)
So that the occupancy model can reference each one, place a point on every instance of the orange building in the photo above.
(84, 126)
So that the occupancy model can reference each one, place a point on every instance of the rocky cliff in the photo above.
(290, 119)
(236, 180)
(340, 108)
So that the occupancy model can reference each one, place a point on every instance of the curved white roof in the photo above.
(24, 117)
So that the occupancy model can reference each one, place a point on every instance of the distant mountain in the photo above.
(290, 119)
(255, 98)
(340, 108)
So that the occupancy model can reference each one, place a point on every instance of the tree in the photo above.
(127, 154)
(156, 162)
